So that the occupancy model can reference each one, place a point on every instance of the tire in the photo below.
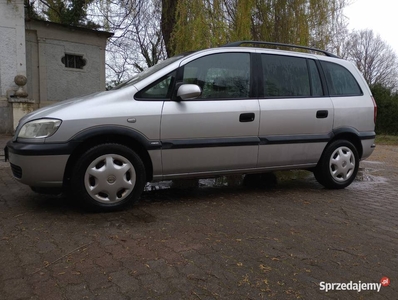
(338, 165)
(108, 177)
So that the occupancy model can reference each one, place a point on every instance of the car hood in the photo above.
(93, 105)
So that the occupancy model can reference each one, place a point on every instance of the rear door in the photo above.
(296, 118)
(217, 131)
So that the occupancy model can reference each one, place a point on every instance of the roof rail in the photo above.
(237, 44)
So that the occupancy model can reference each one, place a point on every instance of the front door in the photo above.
(217, 131)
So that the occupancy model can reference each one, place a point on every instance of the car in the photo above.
(234, 109)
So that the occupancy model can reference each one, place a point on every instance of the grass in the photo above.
(386, 139)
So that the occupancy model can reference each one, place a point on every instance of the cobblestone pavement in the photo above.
(230, 242)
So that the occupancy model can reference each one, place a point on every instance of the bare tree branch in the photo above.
(373, 57)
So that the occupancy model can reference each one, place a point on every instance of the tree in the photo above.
(137, 42)
(31, 11)
(373, 57)
(387, 110)
(338, 31)
(148, 31)
(199, 24)
(68, 12)
(240, 12)
(206, 23)
(168, 20)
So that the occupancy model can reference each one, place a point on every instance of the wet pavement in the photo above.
(277, 237)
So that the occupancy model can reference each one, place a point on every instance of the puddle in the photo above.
(374, 162)
(159, 185)
(365, 175)
(222, 181)
(263, 180)
(293, 175)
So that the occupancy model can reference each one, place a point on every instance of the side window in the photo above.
(161, 89)
(285, 76)
(316, 85)
(340, 81)
(220, 76)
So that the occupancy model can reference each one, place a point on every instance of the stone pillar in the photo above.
(21, 105)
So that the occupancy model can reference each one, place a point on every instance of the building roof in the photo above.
(71, 28)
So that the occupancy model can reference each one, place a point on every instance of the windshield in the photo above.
(148, 72)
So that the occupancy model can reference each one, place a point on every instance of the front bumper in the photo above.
(37, 165)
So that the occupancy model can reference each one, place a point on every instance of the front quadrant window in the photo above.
(285, 76)
(161, 89)
(73, 61)
(220, 76)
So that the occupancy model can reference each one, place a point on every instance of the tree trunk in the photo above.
(169, 8)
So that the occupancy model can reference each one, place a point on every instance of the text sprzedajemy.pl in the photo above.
(349, 286)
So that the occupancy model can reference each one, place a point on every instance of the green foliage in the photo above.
(242, 27)
(387, 110)
(69, 12)
(199, 25)
(208, 23)
(301, 22)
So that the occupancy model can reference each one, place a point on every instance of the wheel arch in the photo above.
(348, 134)
(110, 134)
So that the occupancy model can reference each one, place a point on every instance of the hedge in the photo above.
(387, 110)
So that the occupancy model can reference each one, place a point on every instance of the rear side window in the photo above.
(286, 76)
(340, 81)
(220, 76)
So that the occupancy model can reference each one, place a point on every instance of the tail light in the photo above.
(374, 109)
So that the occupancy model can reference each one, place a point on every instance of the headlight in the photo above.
(39, 128)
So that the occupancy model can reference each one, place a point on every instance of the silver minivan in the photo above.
(226, 110)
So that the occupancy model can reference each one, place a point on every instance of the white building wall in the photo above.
(12, 55)
(34, 49)
(64, 83)
(12, 43)
(46, 45)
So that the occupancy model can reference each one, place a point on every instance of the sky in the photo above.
(379, 15)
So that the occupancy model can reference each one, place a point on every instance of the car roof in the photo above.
(240, 43)
(188, 56)
(260, 46)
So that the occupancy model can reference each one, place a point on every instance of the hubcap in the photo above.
(110, 178)
(342, 164)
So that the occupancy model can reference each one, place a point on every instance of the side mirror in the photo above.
(188, 91)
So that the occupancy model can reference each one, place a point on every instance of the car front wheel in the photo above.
(338, 165)
(108, 177)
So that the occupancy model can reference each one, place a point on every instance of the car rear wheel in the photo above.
(108, 177)
(338, 165)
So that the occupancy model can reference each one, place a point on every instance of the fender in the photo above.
(116, 130)
(367, 135)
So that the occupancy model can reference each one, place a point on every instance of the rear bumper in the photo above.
(368, 147)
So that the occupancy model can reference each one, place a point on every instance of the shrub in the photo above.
(387, 110)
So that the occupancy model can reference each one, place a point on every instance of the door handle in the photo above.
(322, 114)
(246, 117)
